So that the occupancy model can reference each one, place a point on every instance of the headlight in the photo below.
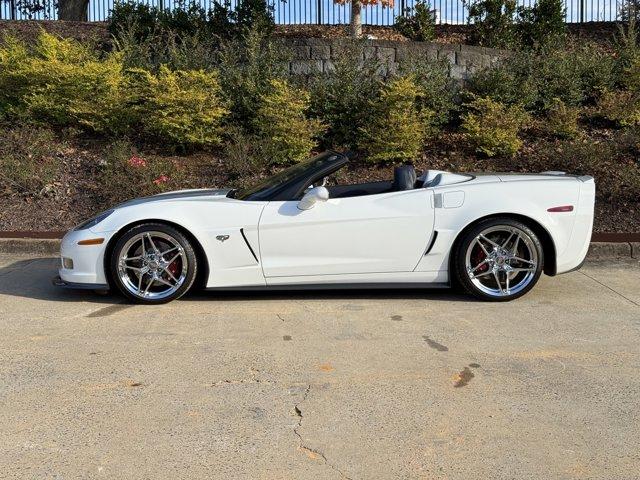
(92, 222)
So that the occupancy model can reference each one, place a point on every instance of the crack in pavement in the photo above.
(301, 446)
(608, 287)
(239, 382)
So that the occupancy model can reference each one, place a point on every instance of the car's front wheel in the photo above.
(498, 259)
(153, 263)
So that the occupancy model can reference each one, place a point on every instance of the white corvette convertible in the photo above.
(492, 234)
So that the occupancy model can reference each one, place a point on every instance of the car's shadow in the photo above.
(436, 294)
(31, 278)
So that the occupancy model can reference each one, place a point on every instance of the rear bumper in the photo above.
(573, 256)
(578, 267)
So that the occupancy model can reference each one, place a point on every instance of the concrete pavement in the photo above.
(359, 385)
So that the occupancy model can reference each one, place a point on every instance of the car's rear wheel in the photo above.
(153, 263)
(498, 259)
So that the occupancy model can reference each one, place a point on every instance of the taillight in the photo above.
(563, 208)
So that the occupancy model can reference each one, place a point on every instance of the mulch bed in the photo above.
(82, 31)
(336, 31)
(444, 33)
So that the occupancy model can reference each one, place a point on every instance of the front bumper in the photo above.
(58, 282)
(88, 260)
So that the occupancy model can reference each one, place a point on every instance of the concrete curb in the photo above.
(604, 250)
(30, 246)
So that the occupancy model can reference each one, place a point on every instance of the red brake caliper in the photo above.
(477, 257)
(173, 267)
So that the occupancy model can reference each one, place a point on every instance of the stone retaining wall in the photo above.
(313, 55)
(310, 55)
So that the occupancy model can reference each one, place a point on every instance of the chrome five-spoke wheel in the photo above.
(153, 264)
(500, 259)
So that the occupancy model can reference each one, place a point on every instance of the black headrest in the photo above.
(404, 178)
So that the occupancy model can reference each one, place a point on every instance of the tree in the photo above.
(356, 12)
(73, 10)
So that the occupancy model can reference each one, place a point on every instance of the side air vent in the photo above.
(249, 245)
(432, 242)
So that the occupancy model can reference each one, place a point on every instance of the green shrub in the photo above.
(14, 79)
(28, 162)
(246, 69)
(126, 175)
(557, 75)
(493, 128)
(340, 97)
(574, 75)
(630, 12)
(541, 24)
(630, 77)
(417, 23)
(627, 48)
(561, 120)
(138, 19)
(193, 51)
(252, 15)
(502, 24)
(181, 108)
(244, 156)
(187, 37)
(610, 162)
(493, 22)
(221, 22)
(620, 107)
(596, 70)
(437, 91)
(511, 82)
(87, 93)
(287, 134)
(397, 128)
(64, 83)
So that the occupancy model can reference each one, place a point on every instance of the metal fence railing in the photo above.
(326, 12)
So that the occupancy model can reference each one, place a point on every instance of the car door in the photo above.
(387, 232)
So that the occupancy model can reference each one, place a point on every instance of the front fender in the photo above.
(231, 261)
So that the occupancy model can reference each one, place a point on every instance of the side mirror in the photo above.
(313, 196)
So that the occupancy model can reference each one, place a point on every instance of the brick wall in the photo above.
(313, 55)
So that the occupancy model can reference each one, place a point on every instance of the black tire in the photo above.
(460, 275)
(184, 248)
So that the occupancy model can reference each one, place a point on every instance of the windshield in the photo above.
(263, 189)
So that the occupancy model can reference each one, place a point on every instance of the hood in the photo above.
(178, 194)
